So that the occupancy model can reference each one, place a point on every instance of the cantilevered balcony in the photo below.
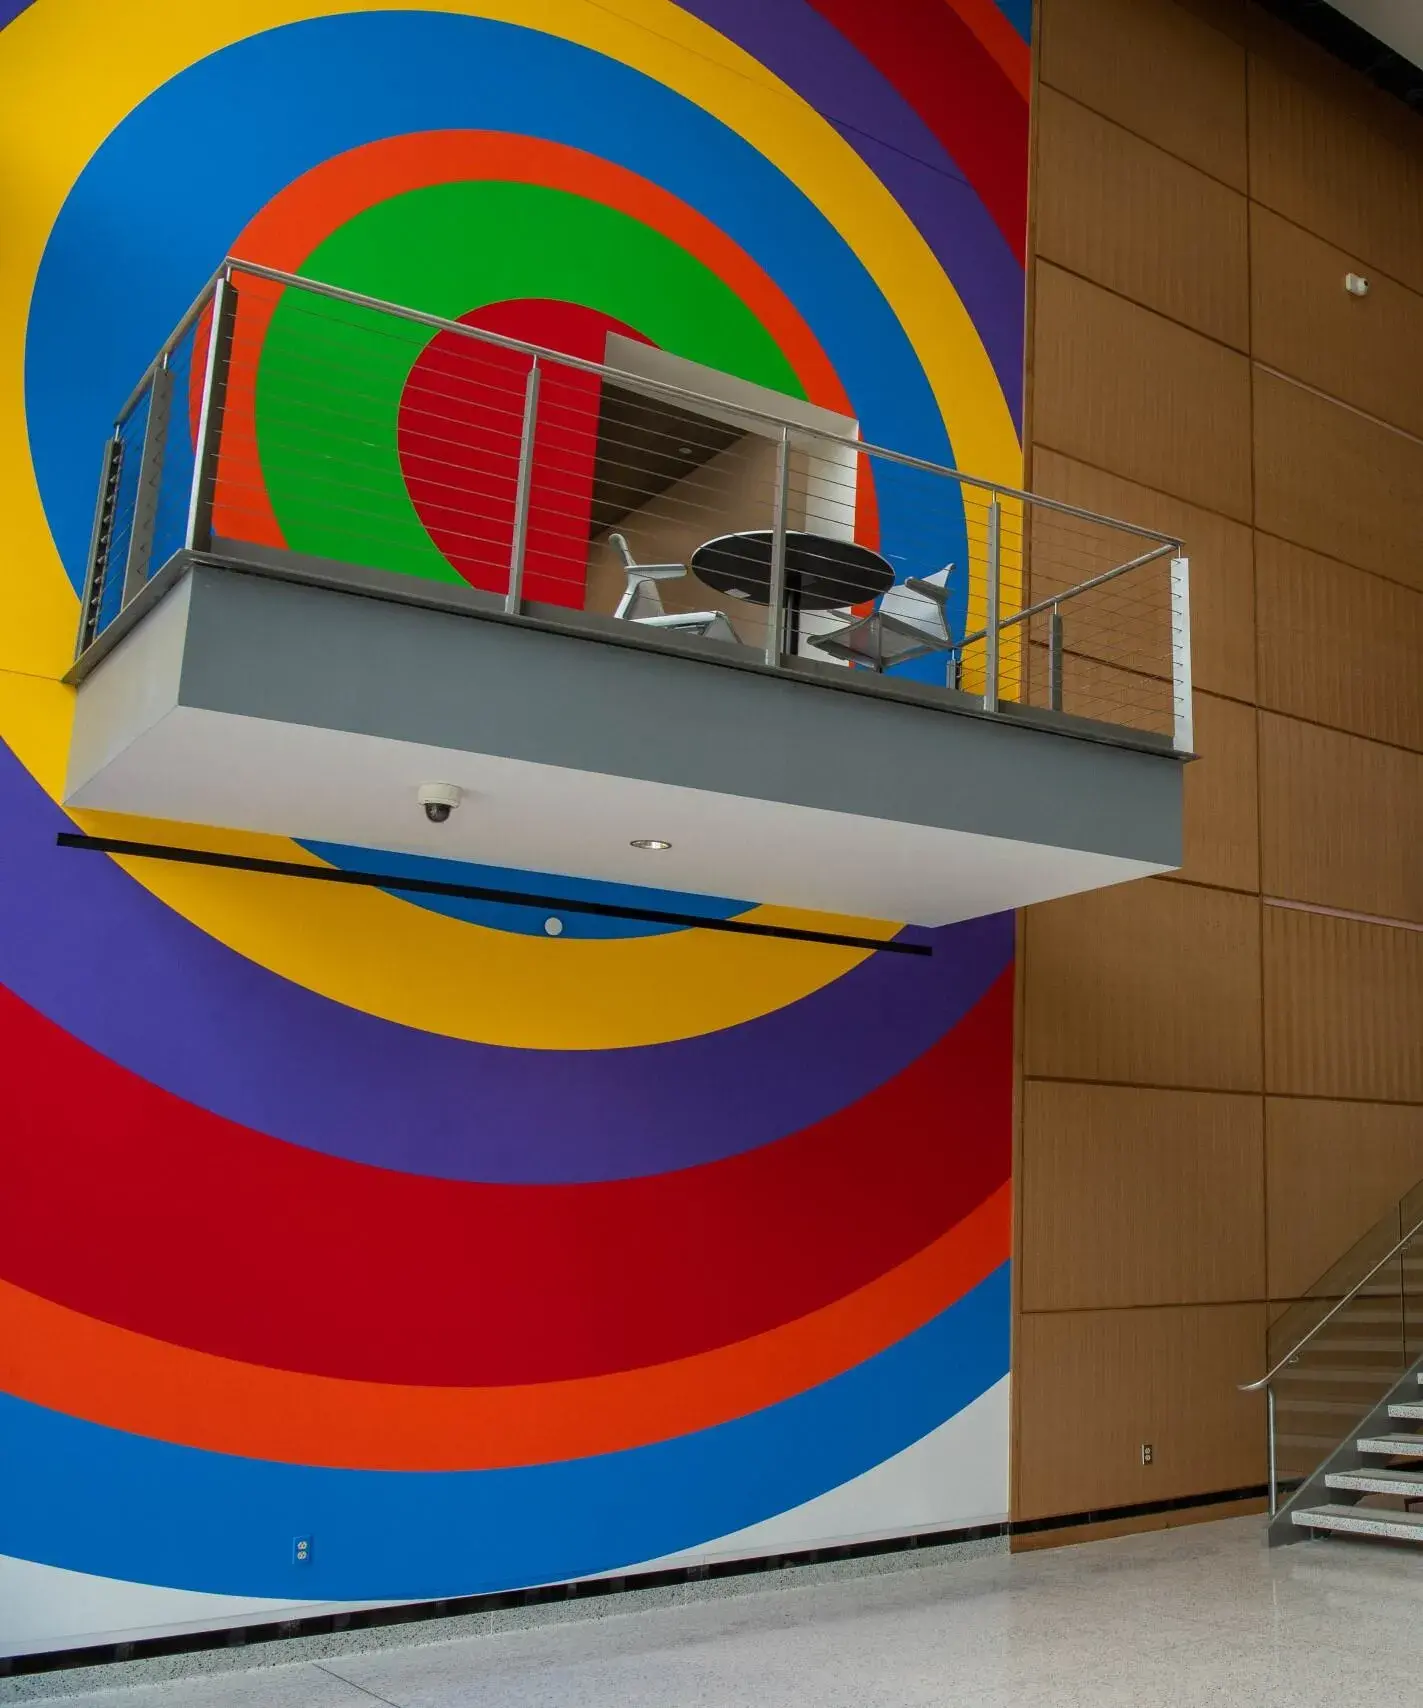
(344, 549)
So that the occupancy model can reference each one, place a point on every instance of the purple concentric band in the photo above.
(91, 949)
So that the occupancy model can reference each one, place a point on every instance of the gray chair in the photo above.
(642, 603)
(910, 621)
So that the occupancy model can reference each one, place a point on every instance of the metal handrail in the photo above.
(1055, 599)
(1363, 1281)
(666, 388)
(171, 342)
(801, 426)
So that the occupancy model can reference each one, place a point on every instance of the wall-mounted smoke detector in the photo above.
(1356, 284)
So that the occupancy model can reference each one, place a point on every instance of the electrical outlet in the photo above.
(1146, 1452)
(301, 1550)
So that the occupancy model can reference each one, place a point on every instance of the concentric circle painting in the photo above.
(405, 1225)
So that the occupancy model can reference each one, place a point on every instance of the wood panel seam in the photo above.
(1320, 237)
(1319, 392)
(1276, 711)
(1074, 456)
(1259, 678)
(1203, 883)
(1342, 912)
(1222, 1091)
(1171, 320)
(1174, 497)
(1150, 141)
(1284, 539)
(1020, 945)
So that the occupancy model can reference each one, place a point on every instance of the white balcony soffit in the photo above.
(887, 846)
(1397, 23)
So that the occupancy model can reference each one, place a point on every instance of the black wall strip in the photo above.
(478, 892)
(1146, 1509)
(191, 1642)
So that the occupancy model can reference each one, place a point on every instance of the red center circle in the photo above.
(460, 427)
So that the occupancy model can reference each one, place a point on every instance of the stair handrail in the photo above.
(1266, 1381)
(1329, 1315)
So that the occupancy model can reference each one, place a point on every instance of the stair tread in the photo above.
(1395, 1441)
(1364, 1521)
(1406, 1408)
(1409, 1483)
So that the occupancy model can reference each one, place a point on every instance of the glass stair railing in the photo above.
(1335, 1357)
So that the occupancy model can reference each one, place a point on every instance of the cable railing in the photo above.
(1333, 1354)
(294, 426)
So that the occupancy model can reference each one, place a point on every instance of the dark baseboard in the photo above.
(192, 1642)
(1142, 1509)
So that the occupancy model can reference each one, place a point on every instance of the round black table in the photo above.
(821, 573)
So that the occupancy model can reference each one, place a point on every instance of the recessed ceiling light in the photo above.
(653, 842)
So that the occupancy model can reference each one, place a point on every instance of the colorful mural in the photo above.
(478, 1257)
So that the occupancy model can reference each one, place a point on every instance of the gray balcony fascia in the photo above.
(226, 683)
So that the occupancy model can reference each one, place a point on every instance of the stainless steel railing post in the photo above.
(523, 491)
(1054, 660)
(992, 635)
(97, 566)
(1183, 716)
(150, 476)
(1271, 1471)
(776, 612)
(209, 436)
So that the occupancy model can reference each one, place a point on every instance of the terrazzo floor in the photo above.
(1201, 1614)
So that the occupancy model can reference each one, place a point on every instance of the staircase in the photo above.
(1379, 1474)
(1344, 1385)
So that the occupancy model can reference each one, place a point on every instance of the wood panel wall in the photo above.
(1222, 1071)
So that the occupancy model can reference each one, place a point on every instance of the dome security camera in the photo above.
(439, 800)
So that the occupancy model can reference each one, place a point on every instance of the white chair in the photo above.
(642, 603)
(911, 621)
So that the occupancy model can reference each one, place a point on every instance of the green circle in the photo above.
(331, 374)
